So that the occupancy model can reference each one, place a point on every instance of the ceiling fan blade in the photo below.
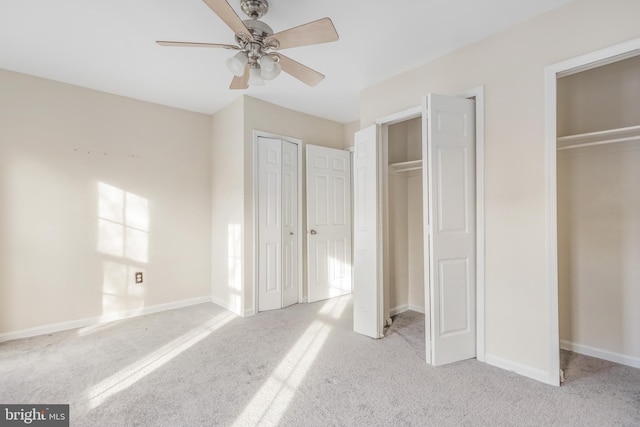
(301, 72)
(196, 44)
(320, 31)
(241, 82)
(228, 15)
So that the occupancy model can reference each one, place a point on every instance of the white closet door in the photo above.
(452, 257)
(289, 224)
(270, 224)
(367, 286)
(328, 222)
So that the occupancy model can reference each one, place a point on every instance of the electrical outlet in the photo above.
(139, 277)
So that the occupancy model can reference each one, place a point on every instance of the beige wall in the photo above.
(70, 158)
(599, 248)
(397, 286)
(585, 103)
(227, 206)
(349, 130)
(511, 67)
(415, 241)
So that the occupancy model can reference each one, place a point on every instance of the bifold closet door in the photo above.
(450, 181)
(277, 224)
(290, 219)
(367, 253)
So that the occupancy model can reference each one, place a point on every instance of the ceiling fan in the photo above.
(257, 59)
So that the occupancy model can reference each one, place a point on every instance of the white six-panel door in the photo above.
(328, 222)
(289, 223)
(277, 224)
(451, 216)
(367, 286)
(270, 224)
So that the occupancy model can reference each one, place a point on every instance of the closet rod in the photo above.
(603, 142)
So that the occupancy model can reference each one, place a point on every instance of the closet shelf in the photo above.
(599, 138)
(405, 166)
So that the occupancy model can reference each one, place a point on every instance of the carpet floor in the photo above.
(301, 366)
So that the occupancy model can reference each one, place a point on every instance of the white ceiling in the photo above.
(109, 46)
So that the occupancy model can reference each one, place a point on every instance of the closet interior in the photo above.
(598, 188)
(404, 248)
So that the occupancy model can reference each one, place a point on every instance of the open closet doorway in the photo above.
(452, 224)
(403, 231)
(593, 155)
(403, 219)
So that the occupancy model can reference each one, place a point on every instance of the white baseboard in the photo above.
(243, 313)
(406, 307)
(601, 354)
(235, 310)
(91, 321)
(397, 310)
(224, 304)
(416, 308)
(519, 368)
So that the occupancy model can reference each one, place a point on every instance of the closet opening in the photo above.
(399, 250)
(597, 168)
(403, 252)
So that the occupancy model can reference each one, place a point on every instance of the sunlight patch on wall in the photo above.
(234, 250)
(123, 236)
(234, 268)
(340, 277)
(123, 223)
(119, 290)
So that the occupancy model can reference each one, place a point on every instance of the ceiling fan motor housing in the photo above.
(258, 29)
(255, 9)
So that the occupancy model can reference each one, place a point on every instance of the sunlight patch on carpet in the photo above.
(128, 376)
(274, 397)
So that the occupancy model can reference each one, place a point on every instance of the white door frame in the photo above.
(476, 93)
(551, 74)
(298, 142)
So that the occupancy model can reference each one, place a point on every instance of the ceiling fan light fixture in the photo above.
(255, 77)
(270, 68)
(266, 63)
(237, 63)
(270, 75)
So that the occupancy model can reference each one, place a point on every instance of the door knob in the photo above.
(313, 232)
(291, 233)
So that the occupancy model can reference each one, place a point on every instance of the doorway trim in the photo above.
(551, 74)
(298, 142)
(477, 94)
